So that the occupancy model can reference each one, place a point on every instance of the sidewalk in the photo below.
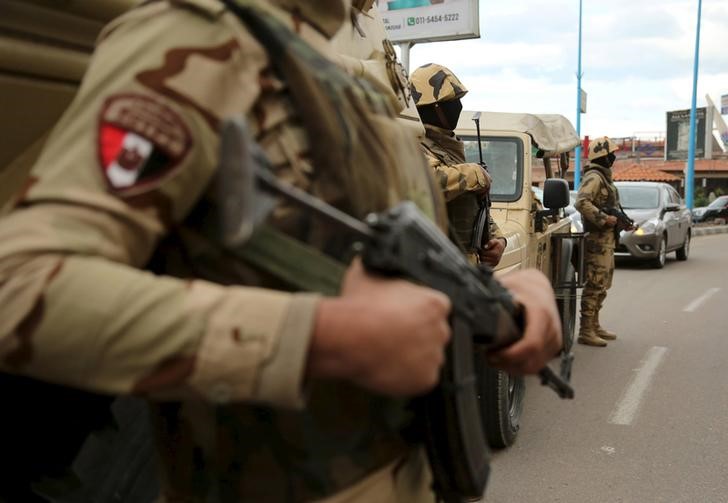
(715, 229)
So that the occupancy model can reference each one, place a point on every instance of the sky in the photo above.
(637, 60)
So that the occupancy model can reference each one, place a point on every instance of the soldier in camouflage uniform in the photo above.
(258, 394)
(437, 93)
(597, 191)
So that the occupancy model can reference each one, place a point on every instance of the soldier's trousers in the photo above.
(599, 268)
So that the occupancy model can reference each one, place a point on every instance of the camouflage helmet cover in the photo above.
(600, 147)
(433, 83)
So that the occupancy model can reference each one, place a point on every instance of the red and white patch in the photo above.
(141, 141)
(123, 154)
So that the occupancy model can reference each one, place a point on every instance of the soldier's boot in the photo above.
(603, 333)
(588, 334)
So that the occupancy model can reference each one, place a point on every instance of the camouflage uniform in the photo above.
(118, 189)
(445, 153)
(596, 191)
(463, 183)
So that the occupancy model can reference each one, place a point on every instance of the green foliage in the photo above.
(700, 198)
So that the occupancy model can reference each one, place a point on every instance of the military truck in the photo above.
(512, 146)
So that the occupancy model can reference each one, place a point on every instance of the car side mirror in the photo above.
(555, 197)
(672, 207)
(556, 193)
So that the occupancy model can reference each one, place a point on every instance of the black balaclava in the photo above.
(606, 161)
(444, 114)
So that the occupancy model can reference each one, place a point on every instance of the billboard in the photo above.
(724, 104)
(678, 134)
(430, 20)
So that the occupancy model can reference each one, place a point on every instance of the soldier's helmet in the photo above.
(600, 147)
(433, 83)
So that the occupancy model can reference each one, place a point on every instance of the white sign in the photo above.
(582, 101)
(430, 20)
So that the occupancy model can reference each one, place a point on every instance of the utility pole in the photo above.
(405, 47)
(690, 171)
(577, 153)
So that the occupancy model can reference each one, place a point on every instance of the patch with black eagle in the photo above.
(141, 141)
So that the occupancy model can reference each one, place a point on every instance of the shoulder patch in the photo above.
(140, 142)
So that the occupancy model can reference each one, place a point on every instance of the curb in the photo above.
(704, 231)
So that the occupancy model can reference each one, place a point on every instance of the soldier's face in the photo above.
(450, 113)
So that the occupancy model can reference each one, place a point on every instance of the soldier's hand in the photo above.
(492, 252)
(542, 332)
(385, 335)
(611, 221)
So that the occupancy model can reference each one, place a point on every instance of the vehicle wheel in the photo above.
(659, 261)
(566, 302)
(683, 252)
(501, 403)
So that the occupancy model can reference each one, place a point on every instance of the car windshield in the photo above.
(639, 198)
(503, 156)
(718, 203)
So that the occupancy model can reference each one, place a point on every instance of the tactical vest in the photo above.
(603, 201)
(463, 210)
(364, 161)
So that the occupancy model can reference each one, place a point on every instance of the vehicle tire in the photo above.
(659, 261)
(501, 403)
(566, 302)
(683, 252)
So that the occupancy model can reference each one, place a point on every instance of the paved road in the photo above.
(650, 420)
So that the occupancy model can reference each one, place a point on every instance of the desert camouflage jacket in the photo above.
(124, 169)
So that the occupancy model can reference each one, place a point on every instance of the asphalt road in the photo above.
(650, 418)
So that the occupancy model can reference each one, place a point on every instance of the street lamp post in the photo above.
(577, 153)
(690, 172)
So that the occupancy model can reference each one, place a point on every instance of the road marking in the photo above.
(627, 406)
(696, 303)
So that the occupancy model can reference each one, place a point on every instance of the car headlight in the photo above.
(646, 228)
(699, 212)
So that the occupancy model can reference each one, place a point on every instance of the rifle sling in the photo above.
(301, 266)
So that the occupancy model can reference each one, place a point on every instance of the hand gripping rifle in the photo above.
(624, 223)
(400, 242)
(623, 220)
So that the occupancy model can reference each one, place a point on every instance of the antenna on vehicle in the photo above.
(476, 119)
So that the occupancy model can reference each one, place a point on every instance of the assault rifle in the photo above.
(400, 242)
(624, 223)
(481, 231)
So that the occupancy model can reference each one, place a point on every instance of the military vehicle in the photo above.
(512, 145)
